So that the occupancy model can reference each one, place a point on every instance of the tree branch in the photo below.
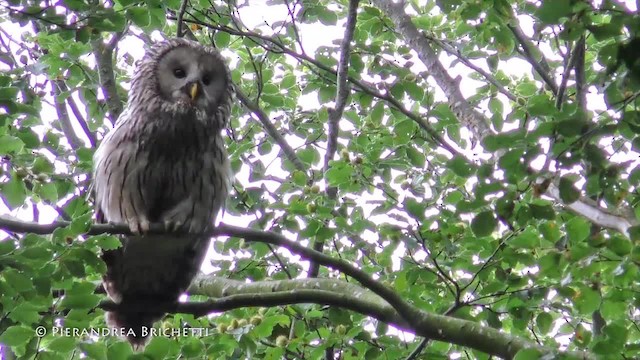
(104, 62)
(477, 124)
(63, 115)
(490, 78)
(342, 88)
(596, 214)
(183, 9)
(271, 130)
(78, 115)
(335, 114)
(540, 67)
(437, 327)
(414, 38)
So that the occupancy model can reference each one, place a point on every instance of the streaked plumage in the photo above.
(164, 162)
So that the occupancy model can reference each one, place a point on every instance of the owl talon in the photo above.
(138, 227)
(171, 225)
(145, 226)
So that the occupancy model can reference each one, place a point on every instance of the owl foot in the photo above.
(138, 226)
(172, 225)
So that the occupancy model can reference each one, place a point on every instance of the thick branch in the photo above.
(596, 214)
(437, 327)
(477, 124)
(266, 299)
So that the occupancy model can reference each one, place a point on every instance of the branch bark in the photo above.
(477, 124)
(335, 113)
(63, 115)
(104, 62)
(271, 130)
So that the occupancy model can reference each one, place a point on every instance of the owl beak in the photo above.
(193, 91)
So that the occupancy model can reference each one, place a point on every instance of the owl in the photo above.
(163, 162)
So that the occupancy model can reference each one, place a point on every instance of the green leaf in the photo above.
(94, 350)
(484, 224)
(460, 166)
(339, 173)
(544, 321)
(528, 354)
(10, 144)
(62, 344)
(18, 281)
(587, 300)
(14, 192)
(16, 335)
(416, 157)
(26, 313)
(578, 229)
(415, 208)
(8, 93)
(551, 11)
(528, 239)
(108, 242)
(80, 301)
(265, 328)
(568, 192)
(621, 246)
(119, 350)
(543, 211)
(139, 16)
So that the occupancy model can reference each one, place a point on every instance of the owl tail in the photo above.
(135, 327)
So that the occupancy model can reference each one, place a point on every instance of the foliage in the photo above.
(512, 204)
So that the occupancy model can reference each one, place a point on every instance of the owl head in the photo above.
(183, 76)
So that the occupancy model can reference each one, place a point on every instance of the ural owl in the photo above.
(164, 162)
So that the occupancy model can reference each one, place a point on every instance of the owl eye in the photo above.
(206, 80)
(179, 73)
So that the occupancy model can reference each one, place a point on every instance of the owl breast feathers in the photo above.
(164, 162)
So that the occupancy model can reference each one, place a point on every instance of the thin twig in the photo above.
(579, 68)
(63, 115)
(342, 88)
(104, 62)
(540, 67)
(79, 118)
(183, 8)
(271, 130)
(490, 78)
